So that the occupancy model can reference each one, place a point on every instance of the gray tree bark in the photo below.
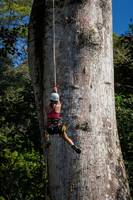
(86, 85)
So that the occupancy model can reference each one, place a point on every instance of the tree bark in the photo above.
(86, 85)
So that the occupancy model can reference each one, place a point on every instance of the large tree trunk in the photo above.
(85, 77)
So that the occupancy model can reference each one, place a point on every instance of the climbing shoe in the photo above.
(75, 148)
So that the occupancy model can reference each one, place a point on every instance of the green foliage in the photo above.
(14, 26)
(12, 14)
(22, 175)
(124, 108)
(22, 169)
(14, 9)
(125, 117)
(123, 63)
(120, 51)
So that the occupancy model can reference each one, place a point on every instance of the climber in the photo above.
(54, 123)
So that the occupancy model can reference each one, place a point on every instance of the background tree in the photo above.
(22, 166)
(22, 174)
(85, 75)
(13, 29)
(123, 63)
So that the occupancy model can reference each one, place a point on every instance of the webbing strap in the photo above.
(54, 56)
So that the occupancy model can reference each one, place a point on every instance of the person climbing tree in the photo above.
(54, 121)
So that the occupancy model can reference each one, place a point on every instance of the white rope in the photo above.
(54, 57)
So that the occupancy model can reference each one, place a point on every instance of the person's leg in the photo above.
(69, 140)
(45, 136)
(66, 138)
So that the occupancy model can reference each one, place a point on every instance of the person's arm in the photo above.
(55, 89)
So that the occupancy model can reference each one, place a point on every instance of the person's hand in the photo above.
(55, 88)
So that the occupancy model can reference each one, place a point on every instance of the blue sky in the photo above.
(122, 13)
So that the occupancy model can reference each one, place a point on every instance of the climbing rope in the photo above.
(54, 56)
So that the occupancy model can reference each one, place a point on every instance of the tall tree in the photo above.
(85, 75)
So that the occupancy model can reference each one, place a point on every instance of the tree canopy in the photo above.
(13, 29)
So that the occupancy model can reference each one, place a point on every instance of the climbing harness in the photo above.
(54, 56)
(56, 129)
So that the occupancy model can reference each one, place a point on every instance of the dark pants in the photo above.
(56, 129)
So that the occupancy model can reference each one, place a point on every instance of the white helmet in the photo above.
(54, 96)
